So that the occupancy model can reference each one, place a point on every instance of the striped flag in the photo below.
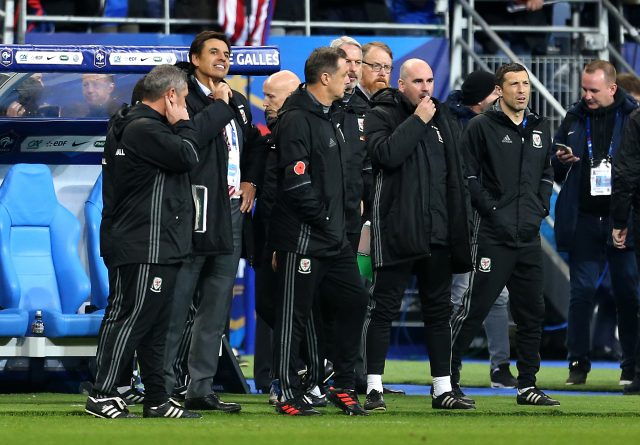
(246, 22)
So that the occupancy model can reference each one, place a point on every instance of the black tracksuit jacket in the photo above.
(626, 176)
(308, 217)
(359, 165)
(510, 176)
(397, 142)
(147, 215)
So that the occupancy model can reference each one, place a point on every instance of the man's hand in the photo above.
(531, 5)
(174, 112)
(425, 109)
(16, 109)
(566, 157)
(247, 194)
(619, 238)
(220, 91)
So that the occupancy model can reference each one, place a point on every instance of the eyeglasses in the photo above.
(376, 67)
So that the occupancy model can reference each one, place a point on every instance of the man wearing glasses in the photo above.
(377, 60)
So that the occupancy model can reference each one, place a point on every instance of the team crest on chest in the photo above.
(304, 266)
(537, 140)
(485, 265)
(156, 284)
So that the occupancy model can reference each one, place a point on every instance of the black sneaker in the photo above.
(397, 392)
(578, 373)
(533, 396)
(298, 406)
(328, 371)
(501, 377)
(316, 401)
(457, 391)
(626, 376)
(107, 408)
(632, 388)
(171, 410)
(131, 396)
(375, 401)
(347, 401)
(449, 400)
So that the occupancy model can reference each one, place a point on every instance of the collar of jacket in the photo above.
(301, 100)
(496, 113)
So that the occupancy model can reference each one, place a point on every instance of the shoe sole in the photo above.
(377, 408)
(495, 385)
(575, 383)
(534, 404)
(624, 382)
(100, 416)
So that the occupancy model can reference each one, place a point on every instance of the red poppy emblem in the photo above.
(299, 168)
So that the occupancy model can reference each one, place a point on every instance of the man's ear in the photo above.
(324, 78)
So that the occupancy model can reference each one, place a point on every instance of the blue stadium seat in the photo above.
(97, 269)
(39, 264)
(13, 322)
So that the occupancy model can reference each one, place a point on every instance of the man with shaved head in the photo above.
(420, 224)
(276, 89)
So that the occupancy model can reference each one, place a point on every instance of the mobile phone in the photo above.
(565, 148)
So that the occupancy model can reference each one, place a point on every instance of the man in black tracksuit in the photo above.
(507, 163)
(420, 223)
(307, 231)
(145, 237)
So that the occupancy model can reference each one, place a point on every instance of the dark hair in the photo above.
(607, 67)
(508, 68)
(200, 39)
(138, 91)
(322, 60)
(629, 82)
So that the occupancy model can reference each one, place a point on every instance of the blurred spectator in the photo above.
(360, 11)
(86, 8)
(630, 83)
(28, 100)
(98, 93)
(289, 10)
(415, 11)
(496, 13)
(200, 9)
(122, 8)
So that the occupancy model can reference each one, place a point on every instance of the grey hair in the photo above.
(344, 40)
(162, 78)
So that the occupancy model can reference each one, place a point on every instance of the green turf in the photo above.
(477, 375)
(59, 419)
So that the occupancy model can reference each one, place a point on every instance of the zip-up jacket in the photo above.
(308, 216)
(397, 142)
(147, 215)
(572, 132)
(211, 173)
(359, 165)
(510, 176)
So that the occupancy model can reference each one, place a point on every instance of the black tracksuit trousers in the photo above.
(521, 270)
(298, 316)
(136, 319)
(434, 287)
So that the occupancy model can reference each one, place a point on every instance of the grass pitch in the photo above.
(60, 419)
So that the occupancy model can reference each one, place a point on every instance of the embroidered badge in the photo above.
(299, 168)
(156, 284)
(305, 266)
(537, 141)
(485, 265)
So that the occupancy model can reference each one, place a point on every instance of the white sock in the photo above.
(521, 390)
(316, 391)
(441, 385)
(374, 381)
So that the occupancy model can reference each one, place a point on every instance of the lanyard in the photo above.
(616, 129)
